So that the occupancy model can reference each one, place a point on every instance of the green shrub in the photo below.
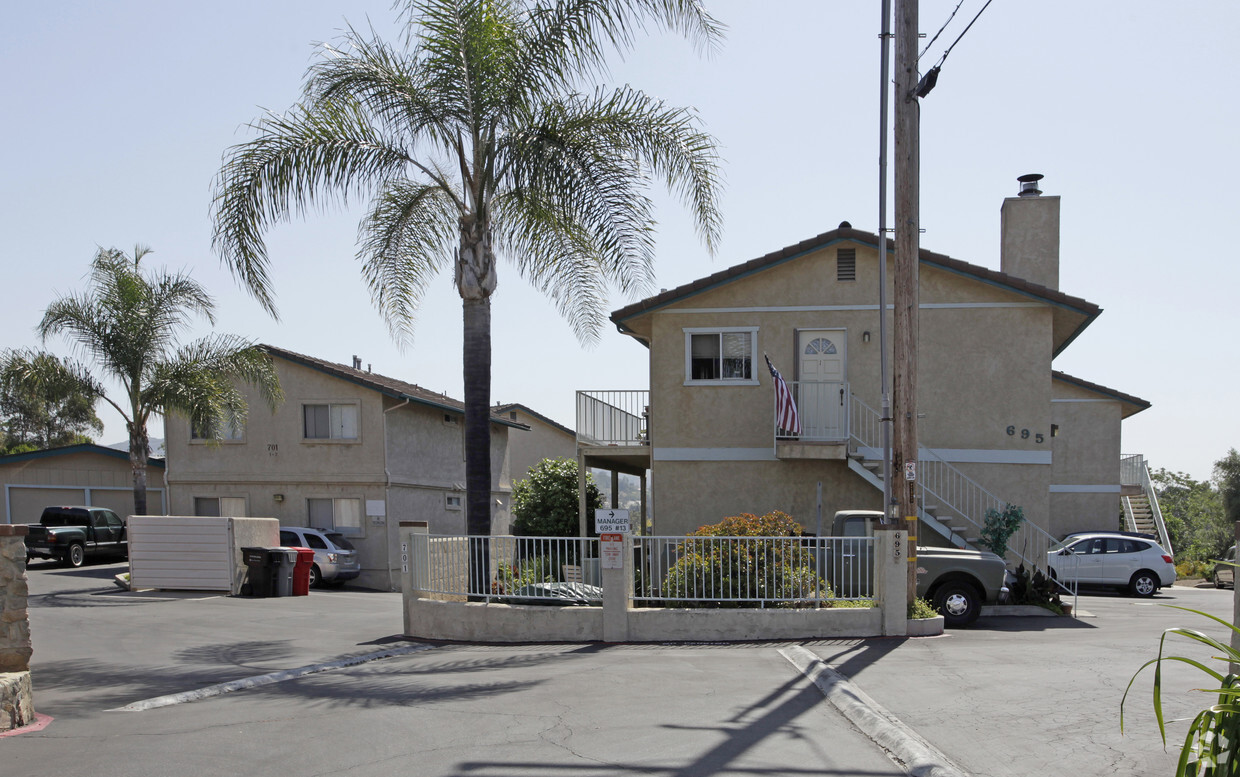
(999, 528)
(545, 503)
(919, 608)
(536, 569)
(1036, 589)
(773, 569)
(1193, 568)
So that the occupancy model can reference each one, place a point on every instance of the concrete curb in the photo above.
(917, 756)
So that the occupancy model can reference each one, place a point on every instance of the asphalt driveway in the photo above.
(1012, 696)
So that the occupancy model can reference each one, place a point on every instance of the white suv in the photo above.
(335, 559)
(1132, 561)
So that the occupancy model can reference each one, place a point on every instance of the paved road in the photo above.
(1013, 696)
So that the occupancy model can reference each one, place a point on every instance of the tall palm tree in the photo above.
(475, 140)
(127, 323)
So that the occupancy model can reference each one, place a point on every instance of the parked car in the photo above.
(73, 533)
(335, 558)
(1224, 572)
(1115, 559)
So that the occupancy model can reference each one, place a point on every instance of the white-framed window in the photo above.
(329, 421)
(453, 502)
(343, 515)
(233, 430)
(216, 506)
(723, 355)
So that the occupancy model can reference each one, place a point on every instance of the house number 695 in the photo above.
(1025, 434)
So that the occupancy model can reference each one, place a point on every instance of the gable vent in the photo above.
(846, 264)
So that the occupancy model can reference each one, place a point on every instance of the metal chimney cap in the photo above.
(1029, 184)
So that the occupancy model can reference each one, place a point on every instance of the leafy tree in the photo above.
(1227, 476)
(128, 323)
(545, 503)
(42, 402)
(474, 141)
(999, 528)
(1193, 511)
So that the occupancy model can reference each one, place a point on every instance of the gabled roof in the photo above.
(1134, 404)
(69, 450)
(390, 387)
(1072, 306)
(500, 409)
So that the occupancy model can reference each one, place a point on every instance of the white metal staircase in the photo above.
(950, 502)
(1141, 511)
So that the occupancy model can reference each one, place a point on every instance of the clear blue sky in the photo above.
(117, 115)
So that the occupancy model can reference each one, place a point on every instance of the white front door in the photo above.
(821, 397)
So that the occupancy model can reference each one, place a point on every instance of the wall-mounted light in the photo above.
(865, 336)
(1054, 430)
(278, 497)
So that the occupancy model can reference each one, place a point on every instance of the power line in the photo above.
(961, 35)
(940, 32)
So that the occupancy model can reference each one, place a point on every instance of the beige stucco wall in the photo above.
(276, 471)
(74, 478)
(984, 367)
(542, 441)
(1086, 480)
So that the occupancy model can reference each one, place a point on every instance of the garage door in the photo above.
(26, 504)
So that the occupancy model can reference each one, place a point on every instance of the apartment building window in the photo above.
(232, 430)
(717, 356)
(216, 506)
(330, 421)
(343, 515)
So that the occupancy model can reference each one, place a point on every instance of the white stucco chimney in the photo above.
(1030, 234)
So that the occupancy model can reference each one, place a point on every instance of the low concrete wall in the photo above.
(618, 621)
(16, 696)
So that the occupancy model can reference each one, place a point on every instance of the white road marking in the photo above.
(266, 679)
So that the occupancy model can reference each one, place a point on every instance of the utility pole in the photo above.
(907, 233)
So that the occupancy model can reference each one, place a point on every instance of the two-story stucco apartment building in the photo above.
(994, 410)
(348, 450)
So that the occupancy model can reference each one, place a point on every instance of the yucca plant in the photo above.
(1212, 745)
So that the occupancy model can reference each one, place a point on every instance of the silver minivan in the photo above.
(335, 558)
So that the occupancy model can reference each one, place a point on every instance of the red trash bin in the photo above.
(301, 572)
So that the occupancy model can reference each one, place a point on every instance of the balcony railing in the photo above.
(823, 409)
(613, 417)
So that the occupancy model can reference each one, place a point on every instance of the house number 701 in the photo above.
(1025, 435)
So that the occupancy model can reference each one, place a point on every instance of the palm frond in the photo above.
(328, 152)
(406, 240)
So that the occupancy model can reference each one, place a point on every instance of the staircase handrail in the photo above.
(1147, 485)
(967, 498)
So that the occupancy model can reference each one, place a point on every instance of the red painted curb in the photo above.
(40, 723)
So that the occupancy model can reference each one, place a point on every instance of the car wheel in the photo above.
(1143, 584)
(959, 603)
(316, 577)
(76, 555)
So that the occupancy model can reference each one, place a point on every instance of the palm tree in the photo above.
(128, 323)
(475, 141)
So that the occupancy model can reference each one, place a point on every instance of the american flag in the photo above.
(785, 406)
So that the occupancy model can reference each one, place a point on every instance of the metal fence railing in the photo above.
(552, 570)
(613, 417)
(822, 409)
(752, 571)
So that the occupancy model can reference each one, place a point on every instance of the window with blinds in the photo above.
(330, 421)
(720, 356)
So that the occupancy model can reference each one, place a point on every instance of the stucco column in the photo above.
(617, 591)
(414, 564)
(891, 580)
